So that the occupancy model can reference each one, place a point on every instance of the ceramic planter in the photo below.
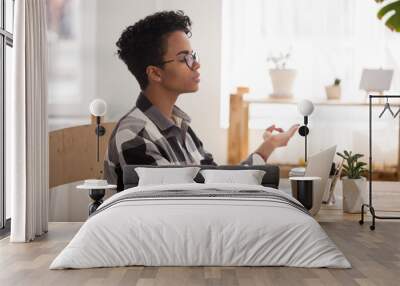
(354, 194)
(333, 92)
(282, 82)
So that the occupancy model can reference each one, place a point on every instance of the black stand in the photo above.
(100, 131)
(370, 206)
(303, 192)
(97, 197)
(303, 131)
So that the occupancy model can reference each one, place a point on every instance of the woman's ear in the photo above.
(154, 74)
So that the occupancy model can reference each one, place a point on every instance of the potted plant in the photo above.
(333, 92)
(282, 78)
(354, 184)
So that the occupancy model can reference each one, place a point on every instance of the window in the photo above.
(328, 39)
(6, 44)
(71, 33)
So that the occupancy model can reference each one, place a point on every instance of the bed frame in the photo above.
(72, 153)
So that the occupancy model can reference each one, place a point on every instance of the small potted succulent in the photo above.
(333, 92)
(354, 184)
(282, 78)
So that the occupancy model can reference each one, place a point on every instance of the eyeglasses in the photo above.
(189, 59)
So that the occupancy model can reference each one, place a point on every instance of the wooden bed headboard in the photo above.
(73, 153)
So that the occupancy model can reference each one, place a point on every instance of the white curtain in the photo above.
(27, 117)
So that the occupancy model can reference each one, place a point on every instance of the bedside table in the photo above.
(97, 190)
(302, 190)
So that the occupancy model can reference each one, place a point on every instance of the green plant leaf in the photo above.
(360, 164)
(393, 22)
(352, 168)
(358, 156)
(340, 155)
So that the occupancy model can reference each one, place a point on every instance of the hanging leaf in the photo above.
(393, 22)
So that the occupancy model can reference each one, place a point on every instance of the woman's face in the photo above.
(176, 75)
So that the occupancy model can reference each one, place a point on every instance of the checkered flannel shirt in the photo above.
(144, 136)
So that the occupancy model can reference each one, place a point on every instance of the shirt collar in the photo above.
(155, 115)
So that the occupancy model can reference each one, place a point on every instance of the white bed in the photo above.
(251, 225)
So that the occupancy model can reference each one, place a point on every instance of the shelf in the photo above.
(377, 174)
(269, 100)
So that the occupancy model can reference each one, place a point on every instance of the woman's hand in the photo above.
(282, 138)
(274, 140)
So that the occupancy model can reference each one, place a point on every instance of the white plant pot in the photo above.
(282, 82)
(354, 194)
(333, 92)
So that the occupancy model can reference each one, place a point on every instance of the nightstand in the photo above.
(302, 190)
(97, 190)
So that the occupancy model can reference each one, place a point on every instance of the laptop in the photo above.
(318, 165)
(313, 162)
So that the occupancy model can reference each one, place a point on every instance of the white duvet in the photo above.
(185, 231)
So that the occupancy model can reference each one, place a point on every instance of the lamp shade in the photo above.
(305, 107)
(98, 107)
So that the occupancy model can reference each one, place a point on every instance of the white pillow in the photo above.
(248, 177)
(162, 176)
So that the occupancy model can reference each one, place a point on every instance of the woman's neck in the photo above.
(162, 99)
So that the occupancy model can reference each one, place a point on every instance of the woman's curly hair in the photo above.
(143, 43)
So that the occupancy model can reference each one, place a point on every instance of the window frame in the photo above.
(6, 39)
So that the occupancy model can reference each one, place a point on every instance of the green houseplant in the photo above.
(393, 21)
(352, 168)
(354, 184)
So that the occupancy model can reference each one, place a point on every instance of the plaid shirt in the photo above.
(144, 136)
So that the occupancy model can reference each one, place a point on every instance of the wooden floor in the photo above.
(374, 255)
